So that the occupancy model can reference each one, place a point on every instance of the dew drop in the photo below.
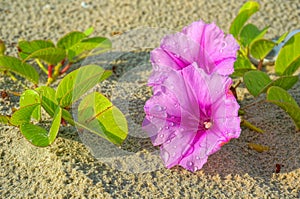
(165, 156)
(167, 127)
(174, 146)
(168, 141)
(157, 108)
(195, 168)
(161, 135)
(197, 158)
(176, 105)
(171, 124)
(190, 163)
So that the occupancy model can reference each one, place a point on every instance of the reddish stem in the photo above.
(63, 122)
(260, 64)
(65, 68)
(50, 69)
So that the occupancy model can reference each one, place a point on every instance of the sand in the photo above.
(80, 166)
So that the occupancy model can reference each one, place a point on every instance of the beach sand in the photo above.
(82, 166)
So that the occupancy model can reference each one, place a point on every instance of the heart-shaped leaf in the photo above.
(15, 65)
(70, 39)
(248, 9)
(37, 135)
(31, 97)
(250, 33)
(98, 115)
(82, 48)
(260, 48)
(50, 55)
(78, 82)
(28, 47)
(258, 82)
(50, 104)
(283, 99)
(288, 60)
(23, 115)
(255, 81)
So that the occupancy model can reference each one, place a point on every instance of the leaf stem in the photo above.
(260, 64)
(251, 126)
(41, 65)
(65, 68)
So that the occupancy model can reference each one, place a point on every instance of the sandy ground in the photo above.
(69, 169)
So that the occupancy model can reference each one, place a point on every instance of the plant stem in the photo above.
(11, 76)
(251, 104)
(260, 64)
(50, 69)
(251, 126)
(41, 65)
(66, 68)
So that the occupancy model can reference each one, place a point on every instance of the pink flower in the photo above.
(191, 115)
(205, 44)
(192, 112)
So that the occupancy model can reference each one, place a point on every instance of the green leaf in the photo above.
(260, 82)
(82, 48)
(288, 61)
(255, 81)
(98, 115)
(285, 82)
(283, 99)
(70, 39)
(242, 65)
(250, 32)
(28, 47)
(4, 119)
(15, 65)
(78, 82)
(282, 37)
(50, 55)
(23, 115)
(31, 97)
(248, 9)
(89, 31)
(36, 135)
(260, 48)
(55, 125)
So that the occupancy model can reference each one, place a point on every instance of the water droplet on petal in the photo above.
(167, 127)
(171, 124)
(165, 155)
(174, 146)
(195, 168)
(168, 141)
(161, 135)
(157, 108)
(197, 158)
(190, 163)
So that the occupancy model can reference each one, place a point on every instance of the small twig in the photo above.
(251, 126)
(41, 65)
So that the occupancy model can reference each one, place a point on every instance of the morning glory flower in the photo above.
(205, 44)
(191, 114)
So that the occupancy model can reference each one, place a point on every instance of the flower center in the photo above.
(207, 124)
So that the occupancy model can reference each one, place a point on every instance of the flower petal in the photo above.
(221, 49)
